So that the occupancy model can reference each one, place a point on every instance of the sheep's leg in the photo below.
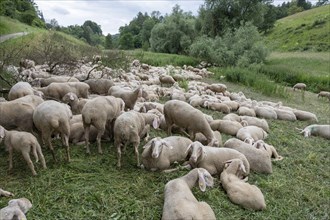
(87, 128)
(136, 149)
(10, 158)
(48, 140)
(65, 141)
(27, 158)
(98, 139)
(41, 157)
(118, 153)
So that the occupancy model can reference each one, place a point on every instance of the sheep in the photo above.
(16, 209)
(227, 127)
(234, 106)
(262, 123)
(32, 100)
(77, 133)
(180, 203)
(232, 117)
(25, 143)
(242, 110)
(259, 159)
(74, 102)
(128, 96)
(266, 112)
(58, 79)
(21, 89)
(50, 117)
(159, 154)
(151, 119)
(324, 94)
(240, 192)
(212, 159)
(285, 115)
(99, 86)
(215, 106)
(2, 99)
(166, 79)
(216, 87)
(316, 130)
(305, 116)
(16, 115)
(201, 138)
(251, 133)
(301, 86)
(185, 116)
(260, 144)
(58, 90)
(5, 193)
(129, 127)
(27, 64)
(100, 112)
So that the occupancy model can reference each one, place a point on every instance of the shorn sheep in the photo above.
(316, 130)
(180, 203)
(251, 133)
(185, 116)
(25, 143)
(238, 191)
(52, 117)
(159, 154)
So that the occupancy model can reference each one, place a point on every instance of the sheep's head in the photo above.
(157, 147)
(249, 140)
(23, 203)
(197, 151)
(204, 179)
(236, 167)
(260, 144)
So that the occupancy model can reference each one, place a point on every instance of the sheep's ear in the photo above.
(188, 148)
(156, 122)
(227, 163)
(242, 167)
(201, 181)
(2, 132)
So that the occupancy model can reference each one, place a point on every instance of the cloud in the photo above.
(61, 11)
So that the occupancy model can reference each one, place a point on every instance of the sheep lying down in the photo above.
(316, 130)
(16, 209)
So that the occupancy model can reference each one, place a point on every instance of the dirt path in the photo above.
(9, 36)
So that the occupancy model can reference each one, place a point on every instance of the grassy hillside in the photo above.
(308, 30)
(9, 26)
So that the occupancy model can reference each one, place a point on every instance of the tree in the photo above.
(322, 2)
(126, 41)
(108, 42)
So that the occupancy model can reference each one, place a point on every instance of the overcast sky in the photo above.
(110, 14)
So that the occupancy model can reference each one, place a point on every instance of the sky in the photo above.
(110, 14)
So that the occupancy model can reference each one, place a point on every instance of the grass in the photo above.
(9, 26)
(308, 30)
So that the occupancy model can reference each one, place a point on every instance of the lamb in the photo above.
(99, 86)
(216, 87)
(212, 159)
(25, 143)
(129, 127)
(242, 110)
(50, 117)
(201, 138)
(262, 123)
(215, 106)
(5, 193)
(260, 144)
(251, 133)
(259, 159)
(166, 79)
(16, 209)
(324, 94)
(100, 112)
(58, 79)
(317, 130)
(305, 116)
(180, 203)
(240, 192)
(301, 86)
(21, 89)
(159, 154)
(74, 102)
(58, 90)
(185, 116)
(128, 96)
(227, 127)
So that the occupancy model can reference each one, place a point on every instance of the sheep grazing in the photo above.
(159, 154)
(127, 95)
(261, 123)
(227, 127)
(238, 191)
(74, 102)
(217, 87)
(52, 117)
(269, 148)
(301, 86)
(58, 79)
(251, 133)
(259, 159)
(180, 203)
(25, 143)
(21, 89)
(58, 90)
(316, 130)
(166, 79)
(16, 209)
(100, 112)
(99, 86)
(305, 116)
(5, 193)
(324, 94)
(129, 127)
(185, 116)
(216, 106)
(212, 159)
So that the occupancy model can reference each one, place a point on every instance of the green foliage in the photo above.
(9, 26)
(108, 42)
(184, 84)
(126, 41)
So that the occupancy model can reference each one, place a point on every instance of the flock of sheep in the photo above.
(124, 108)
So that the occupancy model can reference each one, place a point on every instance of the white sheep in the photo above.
(266, 112)
(227, 127)
(129, 96)
(305, 115)
(260, 144)
(166, 79)
(74, 102)
(100, 112)
(324, 94)
(159, 154)
(32, 100)
(21, 89)
(129, 127)
(217, 106)
(301, 86)
(262, 123)
(216, 87)
(185, 116)
(16, 209)
(286, 115)
(232, 117)
(201, 138)
(50, 117)
(5, 193)
(58, 90)
(99, 86)
(212, 159)
(251, 134)
(23, 142)
(259, 159)
(58, 79)
(180, 203)
(239, 192)
(316, 130)
(243, 110)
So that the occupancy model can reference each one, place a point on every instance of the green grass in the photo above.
(9, 26)
(308, 30)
